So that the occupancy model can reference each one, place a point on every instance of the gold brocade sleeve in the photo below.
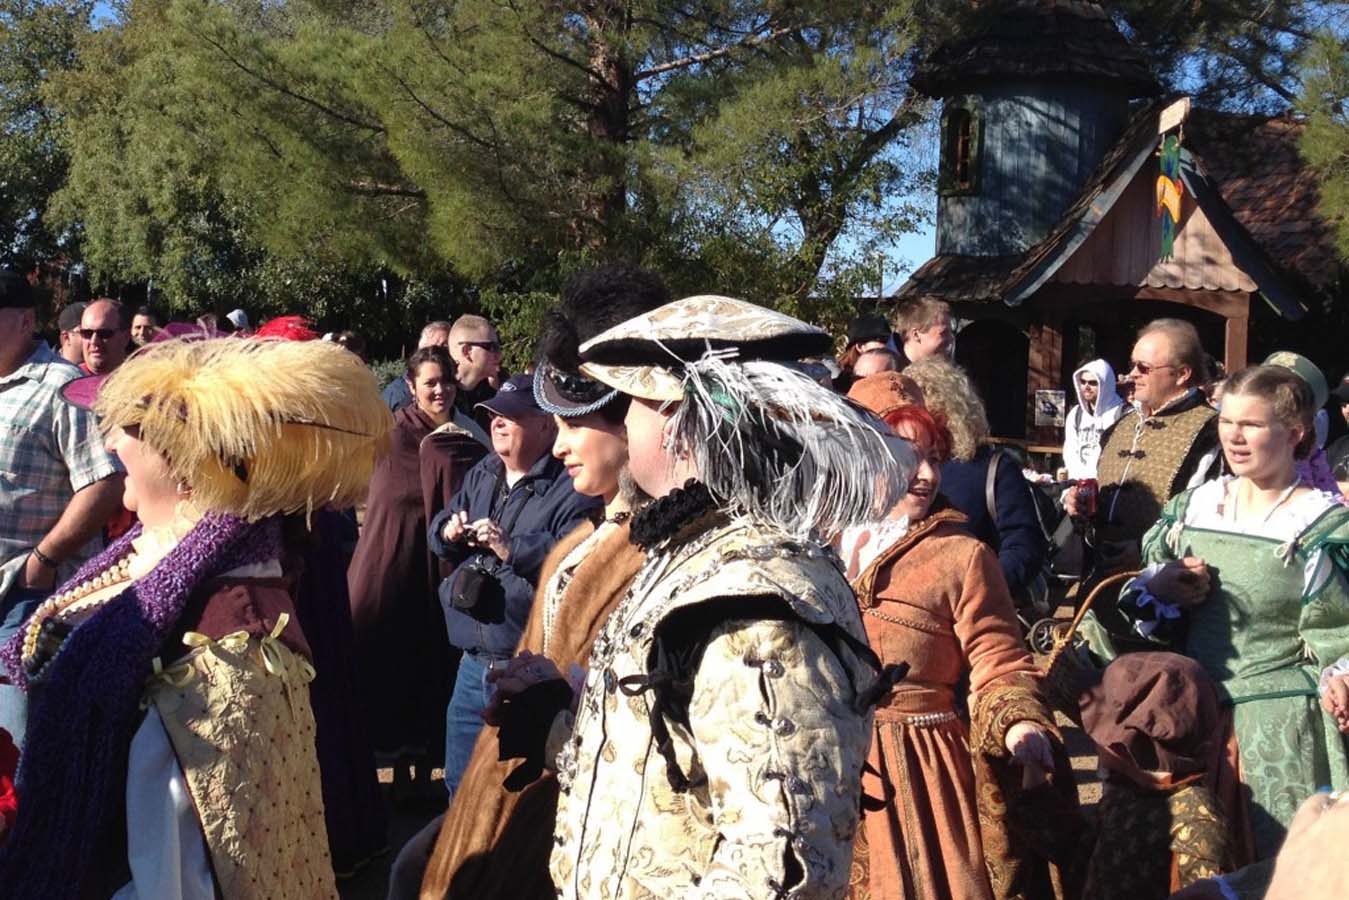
(999, 706)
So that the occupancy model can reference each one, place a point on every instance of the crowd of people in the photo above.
(690, 607)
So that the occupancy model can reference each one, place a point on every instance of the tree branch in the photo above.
(717, 53)
(369, 188)
(287, 92)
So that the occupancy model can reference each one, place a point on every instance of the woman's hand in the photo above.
(491, 536)
(525, 671)
(1030, 747)
(455, 526)
(1335, 701)
(1184, 583)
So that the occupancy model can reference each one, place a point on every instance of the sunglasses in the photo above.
(103, 333)
(1086, 383)
(489, 346)
(1144, 368)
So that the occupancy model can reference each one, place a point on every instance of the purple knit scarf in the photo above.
(69, 839)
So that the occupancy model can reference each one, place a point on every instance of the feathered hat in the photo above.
(256, 427)
(768, 442)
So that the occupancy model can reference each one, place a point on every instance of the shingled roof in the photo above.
(1255, 164)
(1268, 200)
(1071, 40)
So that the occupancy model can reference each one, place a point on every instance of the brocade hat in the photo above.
(647, 356)
(768, 442)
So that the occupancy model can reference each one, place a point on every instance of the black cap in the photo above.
(868, 328)
(69, 320)
(1341, 391)
(15, 292)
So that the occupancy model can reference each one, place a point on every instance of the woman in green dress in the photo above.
(1247, 575)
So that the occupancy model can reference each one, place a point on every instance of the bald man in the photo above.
(104, 335)
(477, 349)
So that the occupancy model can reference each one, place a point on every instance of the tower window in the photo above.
(960, 147)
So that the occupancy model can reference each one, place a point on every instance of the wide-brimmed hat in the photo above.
(769, 442)
(1305, 369)
(514, 398)
(256, 427)
(646, 355)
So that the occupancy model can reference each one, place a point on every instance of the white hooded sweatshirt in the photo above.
(1082, 431)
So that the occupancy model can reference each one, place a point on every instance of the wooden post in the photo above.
(1045, 373)
(1234, 341)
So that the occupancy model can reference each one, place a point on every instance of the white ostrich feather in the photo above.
(776, 447)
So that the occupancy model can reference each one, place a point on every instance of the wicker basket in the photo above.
(1065, 673)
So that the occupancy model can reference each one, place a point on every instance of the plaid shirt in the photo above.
(49, 449)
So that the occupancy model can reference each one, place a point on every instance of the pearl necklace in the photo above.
(64, 604)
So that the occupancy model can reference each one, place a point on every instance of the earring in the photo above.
(182, 488)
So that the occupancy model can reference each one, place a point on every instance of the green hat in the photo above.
(1305, 369)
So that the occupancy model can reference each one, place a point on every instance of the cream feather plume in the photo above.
(776, 447)
(256, 427)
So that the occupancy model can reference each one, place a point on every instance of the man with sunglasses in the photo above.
(1167, 443)
(475, 347)
(1098, 407)
(105, 335)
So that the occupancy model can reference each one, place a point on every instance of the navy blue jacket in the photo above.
(538, 510)
(1016, 535)
(396, 394)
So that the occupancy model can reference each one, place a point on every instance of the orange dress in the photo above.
(937, 600)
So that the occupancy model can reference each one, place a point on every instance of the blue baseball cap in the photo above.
(514, 399)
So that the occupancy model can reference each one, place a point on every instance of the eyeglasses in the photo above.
(1086, 383)
(103, 333)
(489, 346)
(1144, 368)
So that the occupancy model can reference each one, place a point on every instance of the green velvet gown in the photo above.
(1276, 617)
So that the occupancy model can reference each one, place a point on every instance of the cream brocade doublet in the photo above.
(774, 749)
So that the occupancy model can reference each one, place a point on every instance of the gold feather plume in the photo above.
(256, 427)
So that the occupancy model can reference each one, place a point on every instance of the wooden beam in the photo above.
(1234, 343)
(1225, 303)
(1068, 297)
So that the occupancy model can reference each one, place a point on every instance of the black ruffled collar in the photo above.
(680, 515)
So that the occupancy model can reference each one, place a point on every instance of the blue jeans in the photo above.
(17, 606)
(463, 717)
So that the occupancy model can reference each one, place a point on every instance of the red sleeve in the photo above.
(9, 765)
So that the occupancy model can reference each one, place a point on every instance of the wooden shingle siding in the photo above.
(1041, 144)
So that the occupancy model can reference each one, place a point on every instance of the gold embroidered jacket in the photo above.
(773, 747)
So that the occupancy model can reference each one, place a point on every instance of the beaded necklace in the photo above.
(63, 605)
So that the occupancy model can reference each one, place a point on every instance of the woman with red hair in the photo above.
(934, 597)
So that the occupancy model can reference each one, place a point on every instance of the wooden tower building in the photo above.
(1049, 248)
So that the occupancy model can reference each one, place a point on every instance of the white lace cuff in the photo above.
(1339, 667)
